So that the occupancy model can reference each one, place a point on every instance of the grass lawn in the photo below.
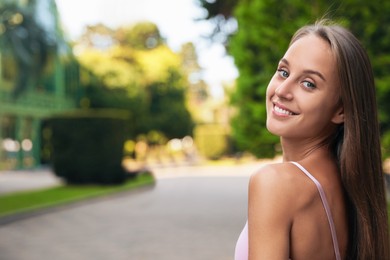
(21, 202)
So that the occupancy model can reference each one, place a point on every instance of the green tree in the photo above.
(136, 71)
(167, 110)
(98, 36)
(144, 35)
(27, 41)
(197, 93)
(220, 14)
(109, 80)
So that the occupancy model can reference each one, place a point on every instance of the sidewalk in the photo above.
(20, 180)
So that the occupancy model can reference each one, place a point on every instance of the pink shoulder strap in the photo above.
(327, 209)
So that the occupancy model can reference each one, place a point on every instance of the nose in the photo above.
(284, 90)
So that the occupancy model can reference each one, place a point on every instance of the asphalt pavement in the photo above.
(192, 212)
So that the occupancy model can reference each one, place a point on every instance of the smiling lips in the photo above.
(282, 111)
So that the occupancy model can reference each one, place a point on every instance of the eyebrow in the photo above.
(307, 71)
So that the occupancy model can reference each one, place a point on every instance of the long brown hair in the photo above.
(356, 143)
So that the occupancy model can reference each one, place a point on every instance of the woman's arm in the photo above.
(270, 211)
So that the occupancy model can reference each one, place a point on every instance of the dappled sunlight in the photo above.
(156, 61)
(115, 73)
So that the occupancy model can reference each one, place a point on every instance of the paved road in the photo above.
(191, 213)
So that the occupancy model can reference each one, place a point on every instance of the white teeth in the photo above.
(282, 111)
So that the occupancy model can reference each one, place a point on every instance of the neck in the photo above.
(296, 150)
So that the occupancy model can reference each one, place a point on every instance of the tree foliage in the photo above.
(31, 46)
(197, 93)
(166, 102)
(157, 63)
(137, 72)
(144, 35)
(113, 72)
(220, 14)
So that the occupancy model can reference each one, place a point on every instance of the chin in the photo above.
(273, 129)
(279, 128)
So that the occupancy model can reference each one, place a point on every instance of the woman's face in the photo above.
(303, 95)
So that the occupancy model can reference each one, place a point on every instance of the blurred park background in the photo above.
(151, 96)
(103, 92)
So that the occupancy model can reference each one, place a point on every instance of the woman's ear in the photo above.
(338, 117)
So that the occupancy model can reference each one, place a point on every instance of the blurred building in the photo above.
(38, 78)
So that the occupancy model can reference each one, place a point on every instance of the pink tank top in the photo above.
(241, 252)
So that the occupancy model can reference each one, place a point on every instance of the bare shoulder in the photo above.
(272, 207)
(278, 175)
(282, 183)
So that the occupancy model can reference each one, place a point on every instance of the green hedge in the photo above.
(87, 146)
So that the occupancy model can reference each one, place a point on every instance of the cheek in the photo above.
(268, 95)
(320, 116)
(271, 88)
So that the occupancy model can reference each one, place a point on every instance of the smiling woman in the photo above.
(326, 200)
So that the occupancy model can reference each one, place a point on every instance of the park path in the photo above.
(192, 212)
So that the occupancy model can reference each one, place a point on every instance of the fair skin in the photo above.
(286, 218)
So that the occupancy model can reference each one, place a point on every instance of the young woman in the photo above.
(326, 200)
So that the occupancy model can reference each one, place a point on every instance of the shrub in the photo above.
(87, 146)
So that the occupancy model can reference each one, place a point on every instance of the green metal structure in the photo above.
(38, 78)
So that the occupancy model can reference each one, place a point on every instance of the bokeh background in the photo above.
(101, 97)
